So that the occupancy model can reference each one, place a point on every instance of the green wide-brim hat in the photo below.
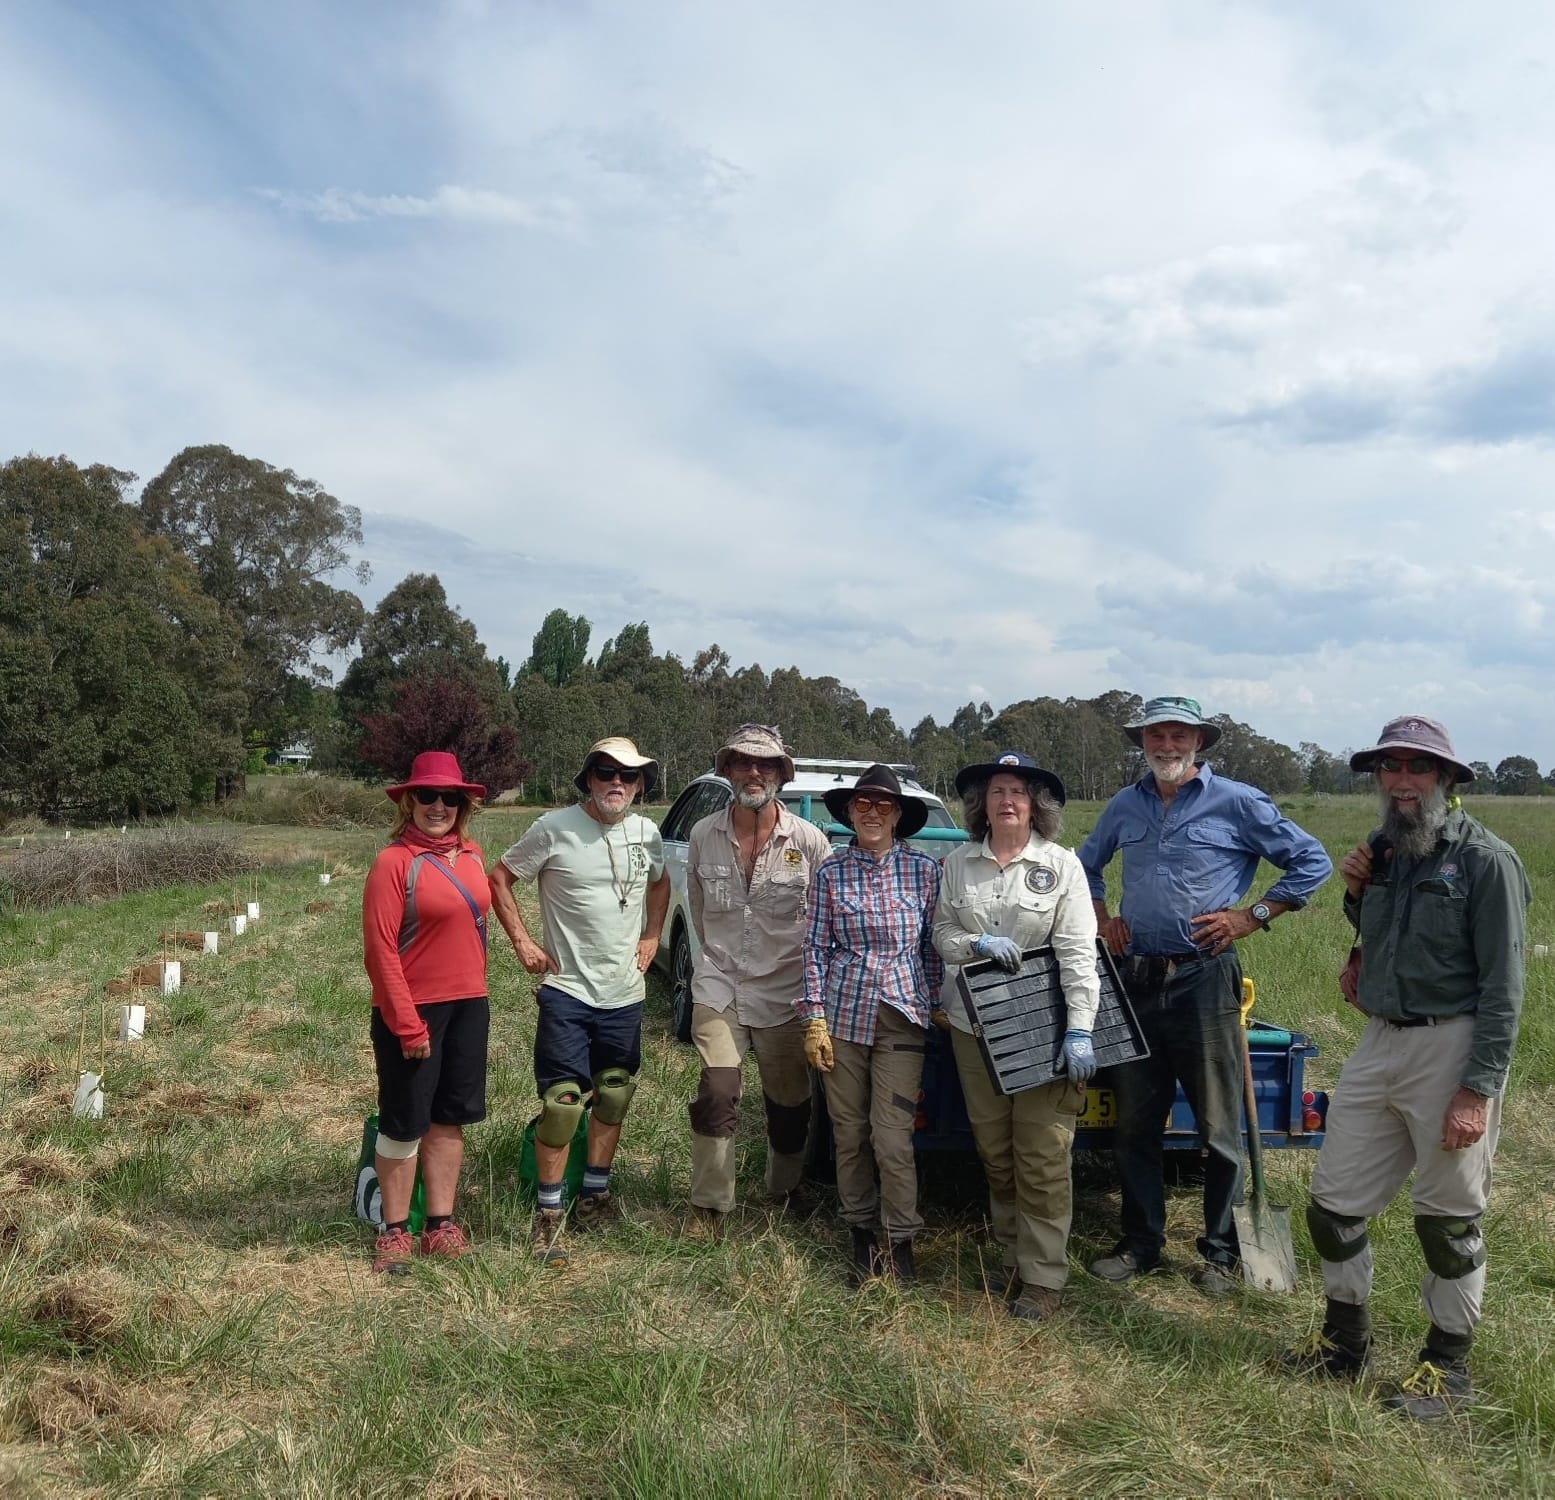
(1172, 711)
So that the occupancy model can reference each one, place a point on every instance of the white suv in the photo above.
(803, 797)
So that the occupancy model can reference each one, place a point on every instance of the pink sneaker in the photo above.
(393, 1251)
(447, 1240)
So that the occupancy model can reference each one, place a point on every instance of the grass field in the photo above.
(186, 1306)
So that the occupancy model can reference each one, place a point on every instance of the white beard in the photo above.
(1172, 769)
(756, 801)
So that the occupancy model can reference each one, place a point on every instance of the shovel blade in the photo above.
(1268, 1255)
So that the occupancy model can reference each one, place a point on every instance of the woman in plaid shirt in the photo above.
(872, 980)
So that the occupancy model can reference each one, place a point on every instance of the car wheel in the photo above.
(680, 984)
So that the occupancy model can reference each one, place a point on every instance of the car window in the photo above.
(698, 800)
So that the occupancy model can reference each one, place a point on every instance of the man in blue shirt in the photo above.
(1191, 842)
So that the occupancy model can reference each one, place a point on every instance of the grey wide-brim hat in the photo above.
(1413, 735)
(1172, 711)
(624, 753)
(760, 742)
(880, 778)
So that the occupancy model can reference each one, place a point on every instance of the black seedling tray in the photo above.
(1019, 1019)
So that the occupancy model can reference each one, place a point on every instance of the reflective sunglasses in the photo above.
(881, 805)
(427, 795)
(615, 773)
(1416, 765)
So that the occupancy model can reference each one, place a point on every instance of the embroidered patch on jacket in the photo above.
(1041, 879)
(793, 858)
(1448, 872)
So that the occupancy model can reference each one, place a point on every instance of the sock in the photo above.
(436, 1221)
(403, 1224)
(550, 1195)
(596, 1180)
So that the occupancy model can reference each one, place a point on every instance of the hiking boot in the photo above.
(1437, 1388)
(799, 1205)
(1216, 1278)
(1002, 1284)
(545, 1237)
(392, 1252)
(447, 1240)
(903, 1267)
(596, 1211)
(705, 1224)
(1036, 1304)
(868, 1258)
(1325, 1352)
(1122, 1265)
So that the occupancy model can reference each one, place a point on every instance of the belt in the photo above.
(1152, 966)
(1408, 1023)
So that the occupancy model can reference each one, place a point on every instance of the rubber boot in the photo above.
(1339, 1349)
(866, 1257)
(902, 1266)
(1440, 1384)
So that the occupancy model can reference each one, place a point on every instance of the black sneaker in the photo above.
(903, 1267)
(1122, 1265)
(1436, 1389)
(1216, 1278)
(1322, 1353)
(869, 1260)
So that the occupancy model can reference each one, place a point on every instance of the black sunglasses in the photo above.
(427, 795)
(615, 773)
(1416, 765)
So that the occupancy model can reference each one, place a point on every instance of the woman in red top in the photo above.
(424, 934)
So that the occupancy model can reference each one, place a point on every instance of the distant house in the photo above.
(299, 754)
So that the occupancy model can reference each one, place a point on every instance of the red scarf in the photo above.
(415, 839)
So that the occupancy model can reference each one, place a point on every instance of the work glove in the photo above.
(1079, 1057)
(817, 1045)
(1002, 950)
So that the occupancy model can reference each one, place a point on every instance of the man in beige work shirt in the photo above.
(749, 869)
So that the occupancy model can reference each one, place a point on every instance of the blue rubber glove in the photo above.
(1079, 1056)
(1002, 950)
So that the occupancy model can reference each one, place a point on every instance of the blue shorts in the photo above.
(574, 1041)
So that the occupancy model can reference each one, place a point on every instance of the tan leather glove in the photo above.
(817, 1045)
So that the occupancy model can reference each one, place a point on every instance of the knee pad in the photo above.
(1453, 1247)
(788, 1125)
(715, 1111)
(392, 1150)
(1336, 1237)
(561, 1107)
(613, 1090)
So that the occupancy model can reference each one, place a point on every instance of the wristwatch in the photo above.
(1261, 914)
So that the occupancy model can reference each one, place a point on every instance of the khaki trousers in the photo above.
(1024, 1142)
(1386, 1121)
(785, 1085)
(872, 1097)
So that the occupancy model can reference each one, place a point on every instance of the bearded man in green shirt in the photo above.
(1440, 905)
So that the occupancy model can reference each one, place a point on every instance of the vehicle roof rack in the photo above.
(854, 767)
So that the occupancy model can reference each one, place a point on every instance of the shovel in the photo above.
(1268, 1256)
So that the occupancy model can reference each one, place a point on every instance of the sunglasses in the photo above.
(615, 773)
(1416, 765)
(427, 795)
(881, 805)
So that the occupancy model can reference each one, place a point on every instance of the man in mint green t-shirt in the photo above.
(603, 891)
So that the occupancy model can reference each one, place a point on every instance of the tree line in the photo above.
(156, 649)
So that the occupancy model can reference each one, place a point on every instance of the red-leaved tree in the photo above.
(446, 711)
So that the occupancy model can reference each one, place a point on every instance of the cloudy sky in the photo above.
(969, 351)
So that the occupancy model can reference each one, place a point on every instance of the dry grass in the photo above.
(90, 869)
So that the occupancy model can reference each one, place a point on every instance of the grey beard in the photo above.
(605, 815)
(756, 801)
(1416, 835)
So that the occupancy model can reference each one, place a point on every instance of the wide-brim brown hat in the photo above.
(1013, 763)
(1414, 735)
(439, 768)
(760, 742)
(878, 778)
(625, 754)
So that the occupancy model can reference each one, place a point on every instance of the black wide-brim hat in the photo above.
(1016, 763)
(878, 778)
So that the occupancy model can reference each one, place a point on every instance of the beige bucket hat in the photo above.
(624, 753)
(760, 742)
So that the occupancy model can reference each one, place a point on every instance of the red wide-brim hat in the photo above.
(439, 768)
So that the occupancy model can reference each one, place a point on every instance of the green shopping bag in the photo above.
(369, 1200)
(577, 1161)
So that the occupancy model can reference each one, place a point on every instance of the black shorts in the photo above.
(574, 1041)
(447, 1088)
